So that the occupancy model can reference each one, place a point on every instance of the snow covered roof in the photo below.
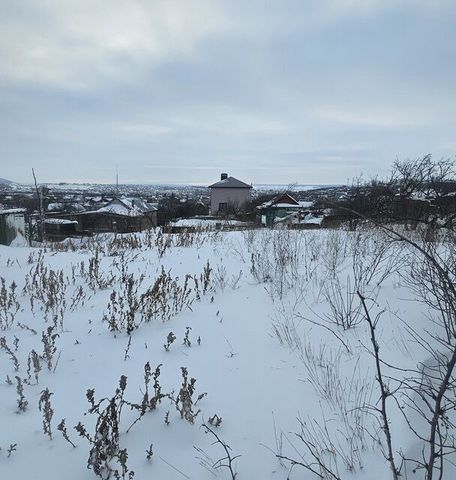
(55, 206)
(203, 222)
(9, 211)
(280, 202)
(230, 182)
(310, 219)
(60, 221)
(127, 206)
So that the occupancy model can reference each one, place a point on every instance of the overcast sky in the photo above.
(275, 91)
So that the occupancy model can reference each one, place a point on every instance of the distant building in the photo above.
(59, 228)
(13, 226)
(228, 194)
(280, 208)
(125, 214)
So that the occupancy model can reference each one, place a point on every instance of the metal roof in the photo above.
(230, 182)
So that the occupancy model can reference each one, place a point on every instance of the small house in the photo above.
(122, 215)
(280, 208)
(228, 195)
(13, 226)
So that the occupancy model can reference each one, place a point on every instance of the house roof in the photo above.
(60, 221)
(285, 200)
(127, 206)
(230, 182)
(10, 211)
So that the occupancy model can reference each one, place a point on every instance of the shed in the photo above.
(59, 228)
(13, 226)
(122, 215)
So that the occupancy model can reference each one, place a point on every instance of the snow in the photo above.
(19, 241)
(60, 221)
(55, 206)
(131, 207)
(9, 211)
(310, 219)
(203, 222)
(262, 344)
(270, 204)
(118, 209)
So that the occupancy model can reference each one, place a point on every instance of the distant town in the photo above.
(55, 211)
(418, 191)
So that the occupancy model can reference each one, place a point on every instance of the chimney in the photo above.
(223, 176)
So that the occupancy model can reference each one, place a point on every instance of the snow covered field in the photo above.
(267, 322)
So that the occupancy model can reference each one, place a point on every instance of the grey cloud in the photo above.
(174, 91)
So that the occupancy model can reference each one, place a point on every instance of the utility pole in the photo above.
(117, 181)
(40, 207)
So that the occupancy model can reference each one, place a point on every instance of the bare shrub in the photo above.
(345, 310)
(44, 406)
(225, 462)
(106, 458)
(33, 361)
(185, 402)
(4, 346)
(47, 287)
(9, 305)
(22, 403)
(48, 339)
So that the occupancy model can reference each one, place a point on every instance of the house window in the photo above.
(223, 207)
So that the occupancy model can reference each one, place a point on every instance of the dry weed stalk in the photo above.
(61, 427)
(48, 339)
(9, 306)
(44, 406)
(227, 461)
(184, 402)
(10, 352)
(22, 403)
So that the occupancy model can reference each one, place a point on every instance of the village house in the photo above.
(228, 195)
(281, 208)
(122, 215)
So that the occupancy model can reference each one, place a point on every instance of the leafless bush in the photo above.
(61, 427)
(187, 341)
(48, 339)
(93, 275)
(128, 308)
(345, 310)
(149, 402)
(48, 288)
(22, 403)
(335, 251)
(169, 341)
(221, 280)
(44, 406)
(227, 461)
(33, 361)
(10, 352)
(424, 395)
(106, 458)
(185, 402)
(9, 305)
